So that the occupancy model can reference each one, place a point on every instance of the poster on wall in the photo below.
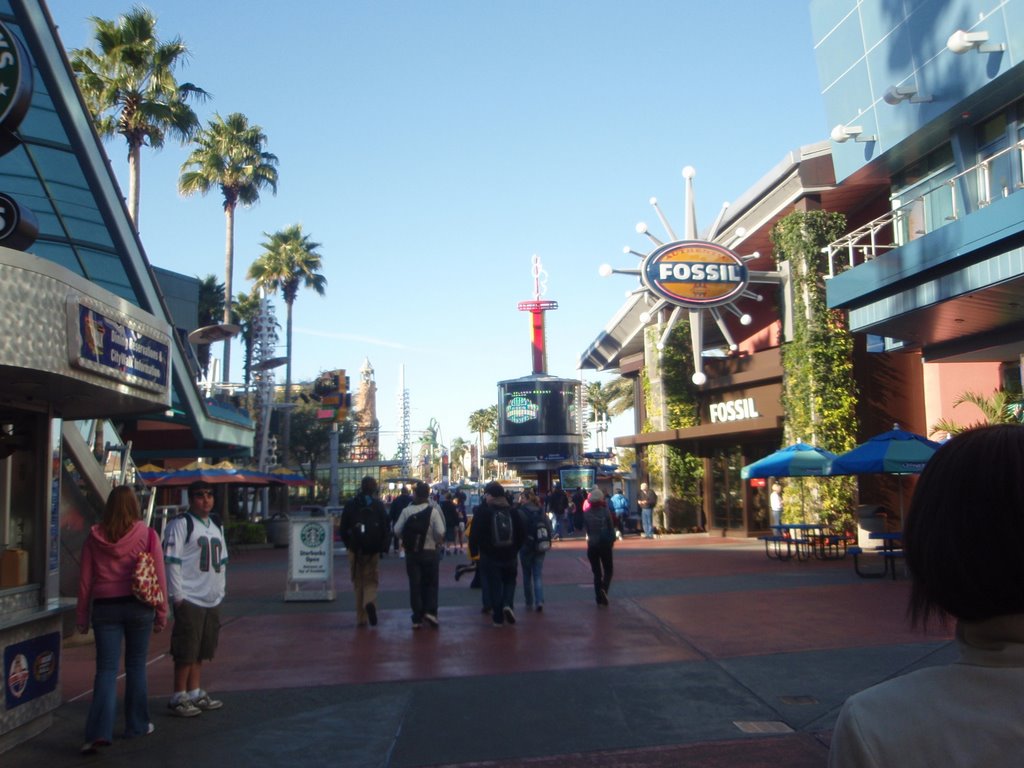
(30, 669)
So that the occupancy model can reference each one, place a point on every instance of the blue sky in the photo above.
(434, 147)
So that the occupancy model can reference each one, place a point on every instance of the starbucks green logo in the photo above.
(15, 80)
(312, 535)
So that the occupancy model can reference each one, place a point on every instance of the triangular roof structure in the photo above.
(61, 173)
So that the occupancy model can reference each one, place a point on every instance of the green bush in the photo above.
(245, 533)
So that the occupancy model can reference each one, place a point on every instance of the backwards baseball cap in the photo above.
(596, 494)
(494, 489)
(199, 485)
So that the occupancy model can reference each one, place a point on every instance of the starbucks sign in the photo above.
(15, 80)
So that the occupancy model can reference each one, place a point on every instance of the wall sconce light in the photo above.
(962, 42)
(843, 133)
(899, 93)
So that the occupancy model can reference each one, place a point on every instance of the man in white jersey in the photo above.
(196, 558)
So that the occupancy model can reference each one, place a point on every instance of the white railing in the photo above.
(888, 230)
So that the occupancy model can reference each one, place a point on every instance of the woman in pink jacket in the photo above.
(105, 590)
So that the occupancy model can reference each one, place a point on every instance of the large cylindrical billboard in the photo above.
(538, 419)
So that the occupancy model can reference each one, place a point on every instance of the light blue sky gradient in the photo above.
(434, 147)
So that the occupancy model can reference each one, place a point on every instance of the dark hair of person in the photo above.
(120, 513)
(964, 528)
(368, 486)
(421, 492)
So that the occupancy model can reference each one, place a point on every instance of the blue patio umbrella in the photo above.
(896, 452)
(797, 460)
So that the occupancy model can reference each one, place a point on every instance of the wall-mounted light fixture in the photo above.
(900, 93)
(962, 42)
(843, 133)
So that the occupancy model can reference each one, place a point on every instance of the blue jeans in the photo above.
(647, 520)
(533, 568)
(132, 622)
(499, 578)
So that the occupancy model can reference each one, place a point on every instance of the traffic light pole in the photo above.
(333, 500)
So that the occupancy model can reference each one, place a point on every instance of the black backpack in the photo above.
(414, 532)
(541, 529)
(502, 528)
(367, 532)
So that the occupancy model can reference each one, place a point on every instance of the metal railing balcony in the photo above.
(910, 220)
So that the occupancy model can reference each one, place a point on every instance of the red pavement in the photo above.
(676, 599)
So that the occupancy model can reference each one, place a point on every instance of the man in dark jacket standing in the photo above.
(366, 532)
(497, 559)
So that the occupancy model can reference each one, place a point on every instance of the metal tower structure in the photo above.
(404, 441)
(264, 344)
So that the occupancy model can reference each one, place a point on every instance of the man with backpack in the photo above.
(535, 547)
(421, 529)
(497, 534)
(618, 505)
(196, 560)
(366, 533)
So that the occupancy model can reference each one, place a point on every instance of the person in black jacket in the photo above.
(497, 561)
(366, 532)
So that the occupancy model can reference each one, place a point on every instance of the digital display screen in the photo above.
(537, 407)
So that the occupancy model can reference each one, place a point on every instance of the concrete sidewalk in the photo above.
(710, 655)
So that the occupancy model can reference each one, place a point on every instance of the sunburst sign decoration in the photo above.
(699, 276)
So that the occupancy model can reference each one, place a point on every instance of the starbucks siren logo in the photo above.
(312, 535)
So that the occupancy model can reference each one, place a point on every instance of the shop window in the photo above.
(727, 489)
(995, 169)
(923, 197)
(21, 536)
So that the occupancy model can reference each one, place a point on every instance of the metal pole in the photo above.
(333, 500)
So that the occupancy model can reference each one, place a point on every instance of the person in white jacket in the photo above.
(420, 528)
(962, 547)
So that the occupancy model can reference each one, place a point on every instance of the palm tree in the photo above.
(484, 420)
(211, 307)
(229, 155)
(456, 455)
(608, 401)
(1000, 407)
(289, 261)
(129, 87)
(245, 309)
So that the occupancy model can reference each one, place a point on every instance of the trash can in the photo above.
(871, 518)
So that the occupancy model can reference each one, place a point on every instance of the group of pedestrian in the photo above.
(189, 570)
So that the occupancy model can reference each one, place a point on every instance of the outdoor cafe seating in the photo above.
(804, 541)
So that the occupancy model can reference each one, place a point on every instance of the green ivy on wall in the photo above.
(686, 471)
(819, 395)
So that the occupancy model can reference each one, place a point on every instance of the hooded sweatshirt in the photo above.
(107, 568)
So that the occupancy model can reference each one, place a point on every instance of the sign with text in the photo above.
(106, 342)
(30, 669)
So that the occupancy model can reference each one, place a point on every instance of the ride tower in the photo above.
(538, 415)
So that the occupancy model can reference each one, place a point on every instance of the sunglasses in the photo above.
(202, 493)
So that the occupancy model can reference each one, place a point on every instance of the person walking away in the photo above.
(558, 503)
(421, 530)
(962, 548)
(775, 504)
(497, 534)
(597, 522)
(366, 533)
(451, 522)
(105, 594)
(196, 558)
(460, 508)
(535, 546)
(619, 507)
(646, 500)
(579, 498)
(394, 512)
